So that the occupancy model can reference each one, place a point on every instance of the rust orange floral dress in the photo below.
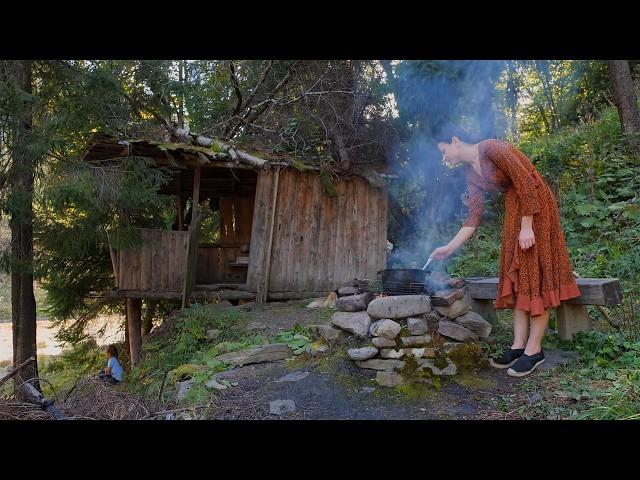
(542, 276)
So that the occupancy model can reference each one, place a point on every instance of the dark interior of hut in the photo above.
(226, 200)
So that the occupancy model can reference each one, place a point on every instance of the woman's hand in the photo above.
(441, 253)
(527, 238)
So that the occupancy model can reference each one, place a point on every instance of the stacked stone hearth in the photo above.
(410, 338)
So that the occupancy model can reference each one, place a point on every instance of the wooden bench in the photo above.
(572, 314)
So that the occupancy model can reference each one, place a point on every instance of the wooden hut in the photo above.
(282, 235)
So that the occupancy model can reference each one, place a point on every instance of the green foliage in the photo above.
(297, 339)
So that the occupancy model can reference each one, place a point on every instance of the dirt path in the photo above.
(333, 387)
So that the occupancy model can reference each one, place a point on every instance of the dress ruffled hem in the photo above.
(535, 305)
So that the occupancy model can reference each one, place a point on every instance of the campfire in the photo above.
(411, 337)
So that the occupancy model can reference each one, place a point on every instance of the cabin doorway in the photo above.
(226, 215)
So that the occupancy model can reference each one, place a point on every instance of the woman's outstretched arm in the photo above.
(464, 234)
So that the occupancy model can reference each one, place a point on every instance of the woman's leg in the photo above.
(520, 328)
(538, 328)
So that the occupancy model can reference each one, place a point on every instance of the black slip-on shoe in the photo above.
(508, 358)
(526, 364)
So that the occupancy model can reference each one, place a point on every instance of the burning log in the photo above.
(444, 298)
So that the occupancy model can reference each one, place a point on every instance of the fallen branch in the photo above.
(16, 370)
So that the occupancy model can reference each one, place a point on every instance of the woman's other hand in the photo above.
(441, 253)
(527, 238)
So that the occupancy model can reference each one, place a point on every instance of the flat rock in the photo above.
(259, 354)
(183, 388)
(381, 364)
(417, 326)
(457, 308)
(385, 328)
(327, 332)
(414, 352)
(416, 340)
(354, 303)
(357, 323)
(399, 306)
(348, 290)
(213, 383)
(382, 342)
(282, 407)
(389, 379)
(253, 326)
(293, 377)
(391, 353)
(456, 331)
(450, 369)
(475, 323)
(364, 353)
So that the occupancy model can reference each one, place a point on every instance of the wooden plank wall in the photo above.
(158, 265)
(319, 242)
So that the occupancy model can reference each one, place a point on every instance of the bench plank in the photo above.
(595, 291)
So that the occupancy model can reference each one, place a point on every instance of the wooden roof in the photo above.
(104, 147)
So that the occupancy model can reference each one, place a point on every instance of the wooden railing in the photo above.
(158, 265)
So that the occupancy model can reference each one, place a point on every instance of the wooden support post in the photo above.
(572, 319)
(196, 191)
(180, 204)
(134, 327)
(263, 284)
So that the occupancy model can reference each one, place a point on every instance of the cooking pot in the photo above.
(403, 281)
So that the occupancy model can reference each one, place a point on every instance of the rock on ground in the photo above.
(417, 326)
(450, 369)
(282, 407)
(260, 354)
(380, 364)
(475, 323)
(389, 379)
(391, 353)
(348, 290)
(325, 331)
(399, 306)
(183, 388)
(364, 353)
(456, 331)
(357, 323)
(382, 342)
(457, 308)
(385, 328)
(416, 340)
(354, 303)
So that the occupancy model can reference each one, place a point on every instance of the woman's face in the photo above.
(450, 152)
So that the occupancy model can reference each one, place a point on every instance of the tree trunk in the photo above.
(624, 95)
(134, 312)
(23, 303)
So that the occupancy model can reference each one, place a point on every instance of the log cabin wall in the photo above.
(318, 241)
